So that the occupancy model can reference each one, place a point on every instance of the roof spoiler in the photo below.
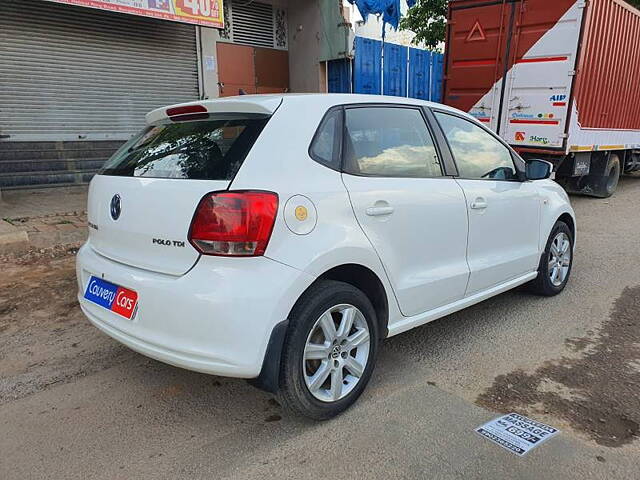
(266, 105)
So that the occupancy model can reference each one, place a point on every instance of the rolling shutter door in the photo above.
(70, 73)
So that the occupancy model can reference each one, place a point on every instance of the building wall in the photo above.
(209, 62)
(372, 28)
(304, 26)
(304, 46)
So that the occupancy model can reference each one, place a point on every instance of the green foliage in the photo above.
(428, 19)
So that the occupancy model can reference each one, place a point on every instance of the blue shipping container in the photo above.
(419, 74)
(395, 70)
(367, 66)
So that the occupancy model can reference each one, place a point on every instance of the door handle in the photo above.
(379, 211)
(479, 204)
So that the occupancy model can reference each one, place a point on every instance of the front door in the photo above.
(504, 212)
(415, 217)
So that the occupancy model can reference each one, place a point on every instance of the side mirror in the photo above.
(538, 169)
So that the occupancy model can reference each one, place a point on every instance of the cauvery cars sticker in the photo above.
(112, 297)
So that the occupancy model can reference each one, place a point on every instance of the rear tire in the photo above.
(329, 351)
(604, 186)
(556, 262)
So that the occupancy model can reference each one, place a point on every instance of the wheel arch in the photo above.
(361, 277)
(568, 219)
(366, 280)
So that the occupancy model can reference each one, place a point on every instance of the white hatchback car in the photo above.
(280, 238)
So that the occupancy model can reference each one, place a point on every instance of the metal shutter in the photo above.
(252, 23)
(69, 73)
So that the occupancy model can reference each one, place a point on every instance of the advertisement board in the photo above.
(207, 13)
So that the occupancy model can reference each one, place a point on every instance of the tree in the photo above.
(428, 20)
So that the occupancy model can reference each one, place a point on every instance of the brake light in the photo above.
(234, 223)
(187, 112)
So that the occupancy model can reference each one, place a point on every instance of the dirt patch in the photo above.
(598, 393)
(44, 338)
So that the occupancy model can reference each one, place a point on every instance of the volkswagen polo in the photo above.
(280, 238)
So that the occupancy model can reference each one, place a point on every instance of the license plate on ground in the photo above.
(112, 297)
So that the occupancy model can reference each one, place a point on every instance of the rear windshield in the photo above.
(211, 149)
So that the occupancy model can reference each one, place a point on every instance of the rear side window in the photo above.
(325, 147)
(211, 149)
(478, 154)
(389, 142)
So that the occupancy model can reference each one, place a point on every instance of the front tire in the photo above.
(329, 351)
(556, 262)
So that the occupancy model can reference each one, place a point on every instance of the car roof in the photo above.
(269, 103)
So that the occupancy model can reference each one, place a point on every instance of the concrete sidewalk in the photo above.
(42, 218)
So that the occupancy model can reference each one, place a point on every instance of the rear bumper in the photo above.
(215, 319)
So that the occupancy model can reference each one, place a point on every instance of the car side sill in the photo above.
(426, 317)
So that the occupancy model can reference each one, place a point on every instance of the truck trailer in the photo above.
(557, 79)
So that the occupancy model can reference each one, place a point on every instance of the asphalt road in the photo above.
(74, 404)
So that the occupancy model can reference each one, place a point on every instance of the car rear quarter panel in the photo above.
(280, 162)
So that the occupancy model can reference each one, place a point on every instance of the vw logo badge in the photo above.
(116, 207)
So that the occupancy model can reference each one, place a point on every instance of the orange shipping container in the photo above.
(556, 76)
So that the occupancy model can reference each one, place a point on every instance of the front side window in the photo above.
(211, 149)
(389, 142)
(478, 154)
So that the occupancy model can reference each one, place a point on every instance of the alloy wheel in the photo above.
(336, 353)
(559, 259)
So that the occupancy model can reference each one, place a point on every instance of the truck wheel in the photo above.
(329, 350)
(556, 262)
(604, 186)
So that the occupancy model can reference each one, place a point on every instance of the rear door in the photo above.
(509, 63)
(414, 216)
(477, 58)
(538, 87)
(504, 212)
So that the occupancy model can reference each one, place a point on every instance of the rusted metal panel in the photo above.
(272, 69)
(236, 70)
(607, 88)
(245, 69)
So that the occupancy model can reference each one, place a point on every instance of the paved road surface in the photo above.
(74, 404)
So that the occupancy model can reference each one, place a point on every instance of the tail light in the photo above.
(235, 224)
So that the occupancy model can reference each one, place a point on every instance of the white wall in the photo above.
(209, 61)
(372, 28)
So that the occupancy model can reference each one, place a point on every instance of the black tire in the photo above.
(542, 284)
(293, 392)
(604, 186)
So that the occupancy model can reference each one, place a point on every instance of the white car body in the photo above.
(435, 255)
